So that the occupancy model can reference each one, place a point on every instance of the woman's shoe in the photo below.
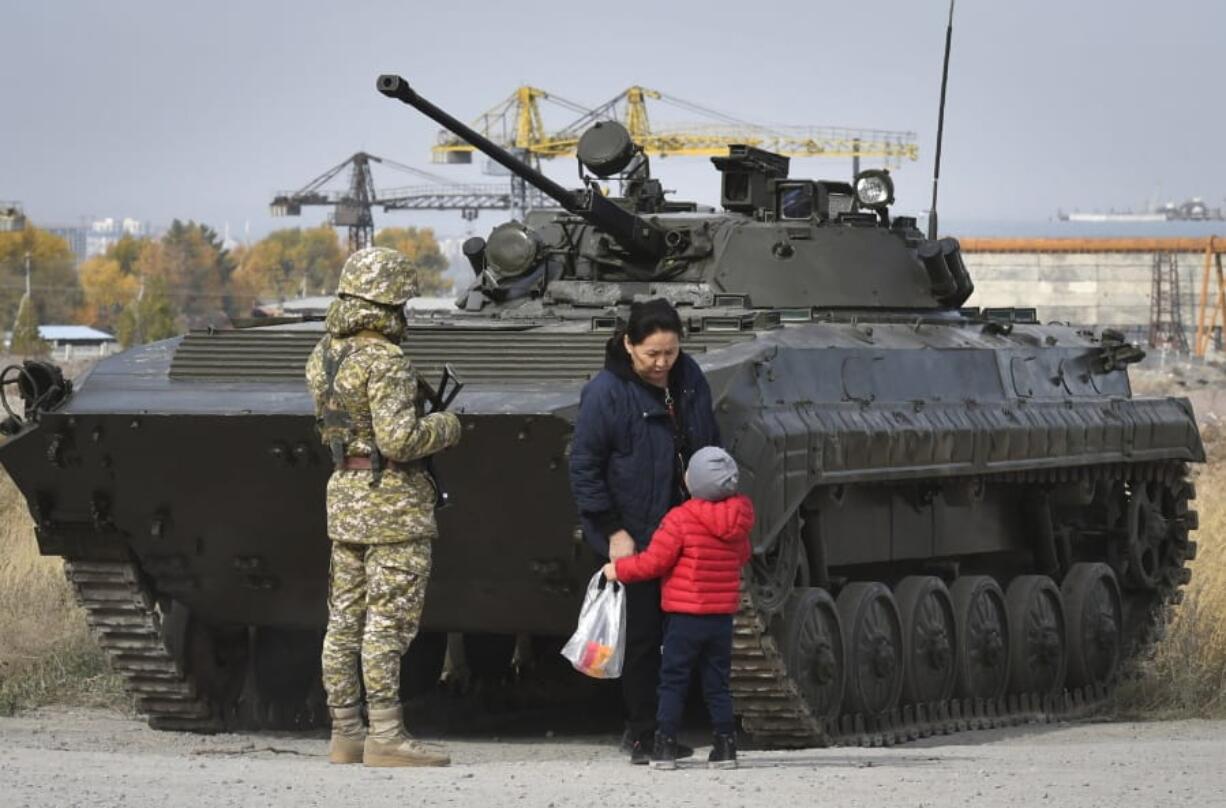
(640, 748)
(664, 753)
(723, 752)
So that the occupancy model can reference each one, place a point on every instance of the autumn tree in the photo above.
(108, 284)
(288, 263)
(194, 271)
(53, 276)
(421, 247)
(126, 251)
(149, 317)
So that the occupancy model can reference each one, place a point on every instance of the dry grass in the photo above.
(46, 653)
(1187, 676)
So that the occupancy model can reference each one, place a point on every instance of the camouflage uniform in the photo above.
(381, 533)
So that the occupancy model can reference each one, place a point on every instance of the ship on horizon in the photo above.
(1190, 210)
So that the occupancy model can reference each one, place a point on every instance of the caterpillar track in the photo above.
(129, 627)
(781, 706)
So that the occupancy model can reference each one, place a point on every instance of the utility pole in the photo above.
(25, 338)
(140, 295)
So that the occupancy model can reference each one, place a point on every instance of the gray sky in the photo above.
(201, 110)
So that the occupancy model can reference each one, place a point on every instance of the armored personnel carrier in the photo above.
(965, 517)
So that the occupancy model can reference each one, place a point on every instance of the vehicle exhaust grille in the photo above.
(480, 356)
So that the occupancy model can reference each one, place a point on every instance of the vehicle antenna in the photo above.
(936, 170)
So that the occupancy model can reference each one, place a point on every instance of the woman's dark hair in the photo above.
(650, 316)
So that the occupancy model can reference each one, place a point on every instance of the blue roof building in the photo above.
(77, 341)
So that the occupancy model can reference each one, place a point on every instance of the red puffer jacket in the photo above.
(699, 550)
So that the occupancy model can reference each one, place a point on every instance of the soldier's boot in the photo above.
(389, 745)
(348, 735)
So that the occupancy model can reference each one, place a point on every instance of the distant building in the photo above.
(75, 236)
(95, 237)
(459, 270)
(12, 217)
(77, 341)
(106, 233)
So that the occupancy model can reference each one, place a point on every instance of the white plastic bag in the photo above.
(598, 645)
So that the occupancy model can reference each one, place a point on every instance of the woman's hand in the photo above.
(610, 571)
(621, 545)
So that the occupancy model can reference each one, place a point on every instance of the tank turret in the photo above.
(779, 242)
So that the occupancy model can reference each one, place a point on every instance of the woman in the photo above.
(639, 421)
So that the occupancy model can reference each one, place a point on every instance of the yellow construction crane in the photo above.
(516, 124)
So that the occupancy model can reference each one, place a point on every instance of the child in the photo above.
(698, 550)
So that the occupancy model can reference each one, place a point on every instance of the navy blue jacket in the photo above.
(622, 460)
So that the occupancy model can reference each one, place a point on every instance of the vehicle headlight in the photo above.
(874, 188)
(512, 250)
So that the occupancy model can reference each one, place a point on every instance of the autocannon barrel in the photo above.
(633, 232)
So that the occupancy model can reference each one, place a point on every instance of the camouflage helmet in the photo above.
(380, 275)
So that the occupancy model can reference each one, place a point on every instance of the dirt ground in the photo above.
(60, 757)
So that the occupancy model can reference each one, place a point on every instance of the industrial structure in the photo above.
(1211, 308)
(352, 206)
(516, 124)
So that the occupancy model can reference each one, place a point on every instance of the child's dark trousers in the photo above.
(702, 641)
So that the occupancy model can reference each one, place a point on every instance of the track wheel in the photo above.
(1037, 656)
(1094, 620)
(811, 640)
(1149, 531)
(983, 637)
(929, 637)
(872, 634)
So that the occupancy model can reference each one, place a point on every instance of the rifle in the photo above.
(439, 399)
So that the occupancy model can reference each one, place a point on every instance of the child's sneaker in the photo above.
(723, 753)
(640, 752)
(664, 755)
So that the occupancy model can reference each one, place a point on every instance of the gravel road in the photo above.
(60, 757)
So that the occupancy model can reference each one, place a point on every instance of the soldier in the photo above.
(380, 505)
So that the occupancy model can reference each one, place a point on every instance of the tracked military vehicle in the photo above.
(965, 517)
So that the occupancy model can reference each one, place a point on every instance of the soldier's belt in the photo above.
(362, 463)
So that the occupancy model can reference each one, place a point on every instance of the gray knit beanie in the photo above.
(712, 474)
